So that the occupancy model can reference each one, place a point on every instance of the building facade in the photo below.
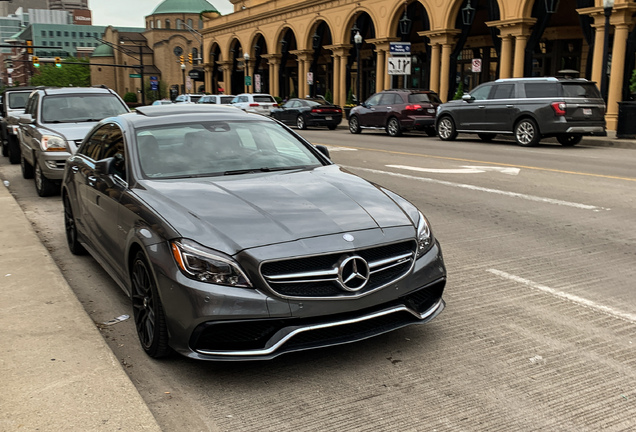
(300, 47)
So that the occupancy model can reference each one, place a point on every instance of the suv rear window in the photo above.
(266, 99)
(18, 100)
(194, 98)
(226, 99)
(541, 90)
(587, 90)
(424, 97)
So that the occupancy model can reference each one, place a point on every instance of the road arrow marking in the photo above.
(502, 170)
(463, 170)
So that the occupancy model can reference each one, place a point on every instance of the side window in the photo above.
(541, 90)
(243, 99)
(114, 147)
(503, 91)
(28, 109)
(481, 92)
(387, 99)
(374, 100)
(93, 146)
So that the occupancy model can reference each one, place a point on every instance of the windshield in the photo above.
(220, 148)
(80, 108)
(18, 100)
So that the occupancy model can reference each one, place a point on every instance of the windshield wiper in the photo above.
(263, 169)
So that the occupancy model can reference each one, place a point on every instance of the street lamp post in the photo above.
(246, 57)
(607, 10)
(183, 68)
(358, 41)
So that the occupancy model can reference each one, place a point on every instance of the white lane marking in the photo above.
(482, 189)
(462, 170)
(336, 148)
(570, 297)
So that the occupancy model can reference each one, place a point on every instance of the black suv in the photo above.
(528, 108)
(396, 111)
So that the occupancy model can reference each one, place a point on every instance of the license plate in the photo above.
(328, 118)
(587, 111)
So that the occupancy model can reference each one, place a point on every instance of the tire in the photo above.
(354, 125)
(71, 229)
(446, 129)
(331, 127)
(527, 133)
(569, 140)
(150, 321)
(393, 127)
(43, 185)
(13, 150)
(486, 137)
(5, 148)
(26, 168)
(431, 131)
(300, 123)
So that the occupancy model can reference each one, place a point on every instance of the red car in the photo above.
(396, 111)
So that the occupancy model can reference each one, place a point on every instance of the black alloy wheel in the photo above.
(26, 168)
(446, 129)
(300, 122)
(150, 320)
(43, 185)
(393, 127)
(71, 229)
(527, 133)
(486, 137)
(354, 125)
(569, 140)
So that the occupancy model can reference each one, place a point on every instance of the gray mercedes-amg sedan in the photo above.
(236, 239)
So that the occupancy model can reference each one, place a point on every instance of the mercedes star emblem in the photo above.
(353, 273)
(348, 237)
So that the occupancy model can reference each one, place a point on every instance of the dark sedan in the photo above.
(308, 112)
(236, 239)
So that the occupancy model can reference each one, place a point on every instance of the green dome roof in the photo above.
(183, 6)
(103, 51)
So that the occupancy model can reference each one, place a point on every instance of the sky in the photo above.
(131, 13)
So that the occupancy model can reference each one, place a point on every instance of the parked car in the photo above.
(53, 125)
(236, 239)
(188, 98)
(216, 99)
(257, 103)
(396, 111)
(528, 109)
(162, 102)
(13, 102)
(308, 112)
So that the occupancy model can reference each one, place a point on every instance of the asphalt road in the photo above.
(539, 332)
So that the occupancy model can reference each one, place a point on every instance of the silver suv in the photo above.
(527, 108)
(54, 123)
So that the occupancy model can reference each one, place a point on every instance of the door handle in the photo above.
(482, 106)
(510, 106)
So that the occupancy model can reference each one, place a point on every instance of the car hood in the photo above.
(70, 131)
(233, 213)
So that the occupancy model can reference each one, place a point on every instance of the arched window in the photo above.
(167, 23)
(190, 23)
(151, 24)
(178, 24)
(200, 23)
(158, 24)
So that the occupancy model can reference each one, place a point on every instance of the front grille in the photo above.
(317, 276)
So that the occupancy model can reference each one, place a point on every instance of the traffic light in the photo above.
(190, 58)
(29, 47)
(181, 59)
(36, 61)
(58, 62)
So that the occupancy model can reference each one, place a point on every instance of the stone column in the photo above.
(505, 62)
(445, 70)
(435, 63)
(443, 40)
(380, 67)
(599, 38)
(273, 60)
(340, 53)
(622, 24)
(520, 55)
(208, 79)
(336, 81)
(226, 68)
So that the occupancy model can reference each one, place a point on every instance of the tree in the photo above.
(328, 96)
(153, 95)
(460, 91)
(69, 75)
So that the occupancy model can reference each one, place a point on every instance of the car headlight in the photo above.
(425, 239)
(53, 143)
(206, 265)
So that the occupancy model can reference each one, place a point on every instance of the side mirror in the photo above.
(467, 98)
(105, 166)
(322, 149)
(25, 119)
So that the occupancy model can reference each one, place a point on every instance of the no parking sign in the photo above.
(476, 65)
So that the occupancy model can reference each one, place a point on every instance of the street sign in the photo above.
(134, 75)
(399, 65)
(400, 47)
(476, 65)
(310, 78)
(248, 80)
(154, 83)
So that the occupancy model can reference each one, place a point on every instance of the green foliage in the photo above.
(632, 82)
(328, 96)
(153, 95)
(130, 97)
(293, 94)
(350, 98)
(460, 91)
(69, 75)
(279, 100)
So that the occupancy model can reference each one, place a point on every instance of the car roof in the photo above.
(544, 79)
(163, 115)
(409, 90)
(178, 109)
(74, 90)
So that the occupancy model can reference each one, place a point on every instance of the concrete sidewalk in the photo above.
(56, 371)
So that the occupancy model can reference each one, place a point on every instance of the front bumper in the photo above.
(52, 164)
(211, 322)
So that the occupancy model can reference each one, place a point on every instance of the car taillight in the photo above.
(413, 107)
(314, 110)
(274, 105)
(254, 105)
(559, 108)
